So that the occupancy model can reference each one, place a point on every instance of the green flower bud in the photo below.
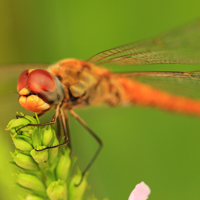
(54, 151)
(30, 182)
(36, 137)
(15, 124)
(29, 132)
(21, 144)
(47, 135)
(9, 126)
(24, 161)
(50, 169)
(57, 190)
(78, 192)
(63, 166)
(31, 119)
(49, 175)
(40, 156)
(25, 138)
(33, 197)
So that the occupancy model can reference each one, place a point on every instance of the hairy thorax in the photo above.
(84, 83)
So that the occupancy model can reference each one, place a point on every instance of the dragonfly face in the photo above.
(39, 90)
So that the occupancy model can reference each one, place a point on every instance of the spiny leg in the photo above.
(64, 126)
(64, 130)
(95, 137)
(39, 115)
(58, 112)
(68, 129)
(53, 121)
(59, 132)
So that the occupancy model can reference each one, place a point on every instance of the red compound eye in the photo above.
(41, 83)
(22, 80)
(40, 80)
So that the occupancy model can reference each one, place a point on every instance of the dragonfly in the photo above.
(72, 83)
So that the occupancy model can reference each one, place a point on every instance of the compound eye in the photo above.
(41, 80)
(22, 80)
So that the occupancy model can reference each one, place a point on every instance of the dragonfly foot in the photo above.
(82, 176)
(59, 145)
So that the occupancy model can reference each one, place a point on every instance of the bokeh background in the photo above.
(140, 144)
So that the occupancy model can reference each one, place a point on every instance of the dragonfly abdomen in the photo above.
(141, 94)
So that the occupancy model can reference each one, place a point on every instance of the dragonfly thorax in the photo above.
(85, 83)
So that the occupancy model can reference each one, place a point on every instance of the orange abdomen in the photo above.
(141, 94)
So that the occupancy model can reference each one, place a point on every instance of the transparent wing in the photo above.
(179, 83)
(181, 45)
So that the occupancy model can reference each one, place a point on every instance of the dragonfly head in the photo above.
(39, 90)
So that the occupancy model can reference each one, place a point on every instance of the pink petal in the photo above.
(140, 192)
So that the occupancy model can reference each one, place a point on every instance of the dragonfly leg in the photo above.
(58, 112)
(58, 128)
(53, 121)
(95, 137)
(39, 115)
(67, 128)
(62, 117)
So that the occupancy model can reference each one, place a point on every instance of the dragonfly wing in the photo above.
(179, 83)
(181, 45)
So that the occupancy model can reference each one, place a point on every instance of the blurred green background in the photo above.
(140, 144)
